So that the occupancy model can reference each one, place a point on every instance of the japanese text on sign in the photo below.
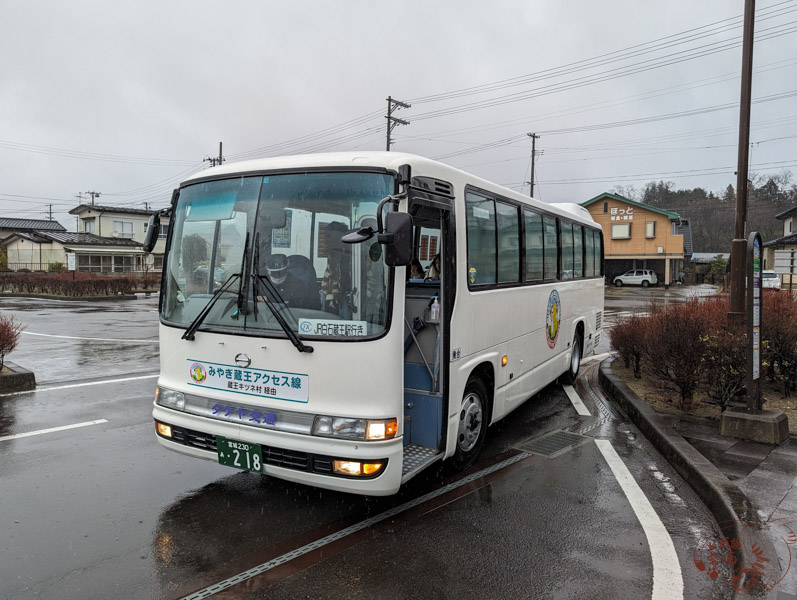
(294, 387)
(333, 328)
(622, 214)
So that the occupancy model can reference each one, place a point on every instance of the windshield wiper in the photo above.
(189, 333)
(244, 270)
(273, 294)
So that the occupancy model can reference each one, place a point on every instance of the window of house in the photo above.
(123, 229)
(621, 231)
(605, 207)
(88, 225)
(650, 229)
(164, 231)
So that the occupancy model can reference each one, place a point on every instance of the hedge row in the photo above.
(691, 347)
(65, 284)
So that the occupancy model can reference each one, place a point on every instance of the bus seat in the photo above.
(301, 268)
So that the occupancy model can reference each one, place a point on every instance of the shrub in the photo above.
(675, 344)
(779, 334)
(628, 339)
(10, 330)
(725, 355)
(56, 267)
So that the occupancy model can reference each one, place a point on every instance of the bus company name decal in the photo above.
(553, 318)
(293, 387)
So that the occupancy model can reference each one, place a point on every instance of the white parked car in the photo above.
(643, 277)
(770, 279)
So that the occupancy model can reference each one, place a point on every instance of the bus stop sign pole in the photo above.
(755, 299)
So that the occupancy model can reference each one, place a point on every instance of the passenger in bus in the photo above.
(336, 284)
(416, 269)
(293, 291)
(434, 268)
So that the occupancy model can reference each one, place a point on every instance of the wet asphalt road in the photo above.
(102, 511)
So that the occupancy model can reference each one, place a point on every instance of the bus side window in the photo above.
(481, 239)
(534, 245)
(550, 251)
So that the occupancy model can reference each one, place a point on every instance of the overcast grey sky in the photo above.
(126, 98)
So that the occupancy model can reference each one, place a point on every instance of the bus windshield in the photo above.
(277, 239)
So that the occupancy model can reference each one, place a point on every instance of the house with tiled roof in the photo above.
(639, 236)
(40, 250)
(786, 242)
(9, 226)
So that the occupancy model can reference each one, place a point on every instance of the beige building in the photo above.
(42, 250)
(11, 226)
(637, 236)
(121, 223)
(787, 242)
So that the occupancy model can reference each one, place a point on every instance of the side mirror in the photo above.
(359, 236)
(397, 239)
(153, 230)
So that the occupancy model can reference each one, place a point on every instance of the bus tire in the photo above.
(571, 374)
(472, 428)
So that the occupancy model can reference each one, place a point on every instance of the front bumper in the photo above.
(293, 457)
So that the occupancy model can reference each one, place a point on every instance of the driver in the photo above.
(292, 290)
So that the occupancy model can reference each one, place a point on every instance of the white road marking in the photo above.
(275, 562)
(580, 408)
(668, 581)
(74, 337)
(76, 385)
(51, 430)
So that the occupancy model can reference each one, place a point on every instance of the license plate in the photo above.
(240, 455)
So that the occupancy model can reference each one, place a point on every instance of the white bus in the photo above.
(293, 342)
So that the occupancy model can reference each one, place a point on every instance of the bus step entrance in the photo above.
(417, 458)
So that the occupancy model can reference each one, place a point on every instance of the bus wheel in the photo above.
(472, 427)
(575, 362)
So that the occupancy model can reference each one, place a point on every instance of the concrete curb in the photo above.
(721, 496)
(18, 381)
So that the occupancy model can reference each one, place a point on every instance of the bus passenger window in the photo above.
(567, 251)
(578, 252)
(533, 246)
(550, 248)
(481, 239)
(589, 271)
(508, 243)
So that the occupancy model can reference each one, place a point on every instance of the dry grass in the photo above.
(665, 401)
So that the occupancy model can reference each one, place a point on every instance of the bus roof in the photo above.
(389, 160)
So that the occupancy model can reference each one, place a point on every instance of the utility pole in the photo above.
(146, 205)
(739, 246)
(216, 160)
(51, 212)
(93, 195)
(393, 121)
(534, 138)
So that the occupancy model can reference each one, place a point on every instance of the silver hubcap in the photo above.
(470, 422)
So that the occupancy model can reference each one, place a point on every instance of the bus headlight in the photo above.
(355, 429)
(381, 430)
(355, 468)
(169, 398)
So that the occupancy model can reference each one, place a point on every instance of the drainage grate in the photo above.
(551, 443)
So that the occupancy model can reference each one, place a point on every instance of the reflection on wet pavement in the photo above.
(57, 359)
